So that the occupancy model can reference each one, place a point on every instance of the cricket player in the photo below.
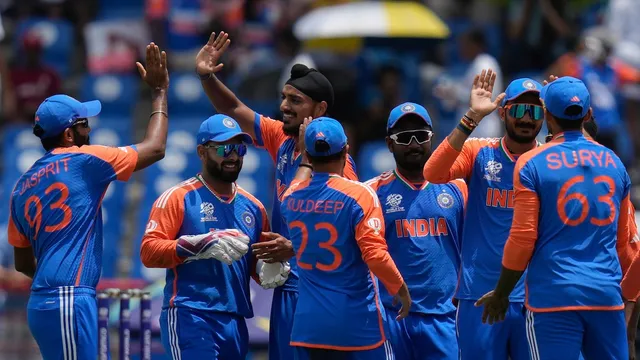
(423, 232)
(571, 228)
(337, 230)
(307, 93)
(487, 166)
(55, 223)
(200, 231)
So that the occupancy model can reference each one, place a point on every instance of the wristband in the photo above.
(464, 129)
(159, 112)
(470, 120)
(306, 165)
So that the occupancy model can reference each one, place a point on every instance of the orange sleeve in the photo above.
(458, 164)
(624, 245)
(369, 234)
(158, 249)
(265, 228)
(117, 163)
(349, 171)
(464, 190)
(633, 229)
(269, 134)
(524, 227)
(15, 237)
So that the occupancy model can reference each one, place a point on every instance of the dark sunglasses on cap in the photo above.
(83, 123)
(406, 137)
(536, 112)
(226, 150)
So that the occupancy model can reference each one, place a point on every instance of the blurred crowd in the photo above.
(51, 46)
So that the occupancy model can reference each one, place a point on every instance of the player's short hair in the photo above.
(569, 124)
(591, 127)
(48, 143)
(321, 147)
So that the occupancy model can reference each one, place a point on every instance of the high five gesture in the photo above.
(208, 59)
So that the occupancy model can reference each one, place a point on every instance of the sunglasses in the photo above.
(83, 123)
(536, 112)
(406, 137)
(226, 150)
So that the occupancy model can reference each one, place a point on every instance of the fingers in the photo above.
(270, 235)
(218, 68)
(225, 45)
(492, 81)
(212, 39)
(499, 99)
(156, 55)
(163, 60)
(141, 70)
(217, 43)
(476, 82)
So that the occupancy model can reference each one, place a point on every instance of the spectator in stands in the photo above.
(30, 80)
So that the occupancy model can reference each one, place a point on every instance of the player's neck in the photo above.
(218, 186)
(414, 177)
(328, 168)
(517, 148)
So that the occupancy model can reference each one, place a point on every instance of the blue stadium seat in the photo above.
(374, 158)
(117, 93)
(120, 9)
(183, 33)
(187, 98)
(58, 41)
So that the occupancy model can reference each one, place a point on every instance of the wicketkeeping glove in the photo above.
(274, 274)
(223, 245)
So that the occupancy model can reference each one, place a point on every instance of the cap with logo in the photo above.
(520, 86)
(567, 91)
(59, 112)
(221, 128)
(327, 130)
(405, 109)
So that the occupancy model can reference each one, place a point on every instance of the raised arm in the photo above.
(152, 148)
(223, 99)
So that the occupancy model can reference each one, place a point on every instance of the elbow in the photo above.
(159, 151)
(144, 256)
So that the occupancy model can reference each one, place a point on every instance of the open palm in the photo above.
(208, 58)
(481, 94)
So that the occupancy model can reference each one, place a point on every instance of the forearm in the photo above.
(223, 99)
(152, 148)
(159, 253)
(28, 270)
(507, 282)
(439, 167)
(382, 266)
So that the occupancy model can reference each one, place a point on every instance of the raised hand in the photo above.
(552, 78)
(303, 127)
(481, 93)
(155, 74)
(208, 58)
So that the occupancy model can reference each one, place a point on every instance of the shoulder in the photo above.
(252, 199)
(360, 192)
(474, 145)
(175, 195)
(381, 180)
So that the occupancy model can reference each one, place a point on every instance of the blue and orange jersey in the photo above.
(282, 148)
(424, 233)
(337, 230)
(56, 209)
(192, 208)
(571, 226)
(487, 167)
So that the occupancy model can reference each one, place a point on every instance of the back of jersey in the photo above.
(338, 305)
(56, 209)
(580, 185)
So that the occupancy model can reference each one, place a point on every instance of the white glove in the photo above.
(274, 274)
(226, 246)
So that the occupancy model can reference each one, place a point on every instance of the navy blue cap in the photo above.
(405, 109)
(520, 86)
(59, 112)
(566, 91)
(221, 128)
(328, 130)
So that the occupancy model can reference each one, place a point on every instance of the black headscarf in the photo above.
(312, 83)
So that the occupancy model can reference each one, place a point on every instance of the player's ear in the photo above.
(389, 144)
(68, 137)
(321, 109)
(502, 113)
(202, 152)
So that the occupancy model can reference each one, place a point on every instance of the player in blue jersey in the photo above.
(337, 230)
(423, 232)
(307, 93)
(571, 229)
(207, 295)
(55, 224)
(487, 166)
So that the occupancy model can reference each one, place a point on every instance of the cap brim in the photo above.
(92, 108)
(244, 137)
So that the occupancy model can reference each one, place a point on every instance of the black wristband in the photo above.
(464, 129)
(306, 165)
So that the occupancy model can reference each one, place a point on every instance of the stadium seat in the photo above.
(120, 9)
(183, 32)
(374, 158)
(186, 97)
(117, 93)
(58, 41)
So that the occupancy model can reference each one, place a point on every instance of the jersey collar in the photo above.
(408, 183)
(507, 153)
(234, 191)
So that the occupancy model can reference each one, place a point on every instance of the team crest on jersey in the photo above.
(282, 162)
(228, 123)
(248, 219)
(445, 200)
(375, 224)
(152, 225)
(492, 170)
(393, 203)
(207, 209)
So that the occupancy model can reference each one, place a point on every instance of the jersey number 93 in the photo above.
(56, 207)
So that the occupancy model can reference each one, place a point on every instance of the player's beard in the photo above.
(79, 139)
(412, 160)
(521, 139)
(217, 171)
